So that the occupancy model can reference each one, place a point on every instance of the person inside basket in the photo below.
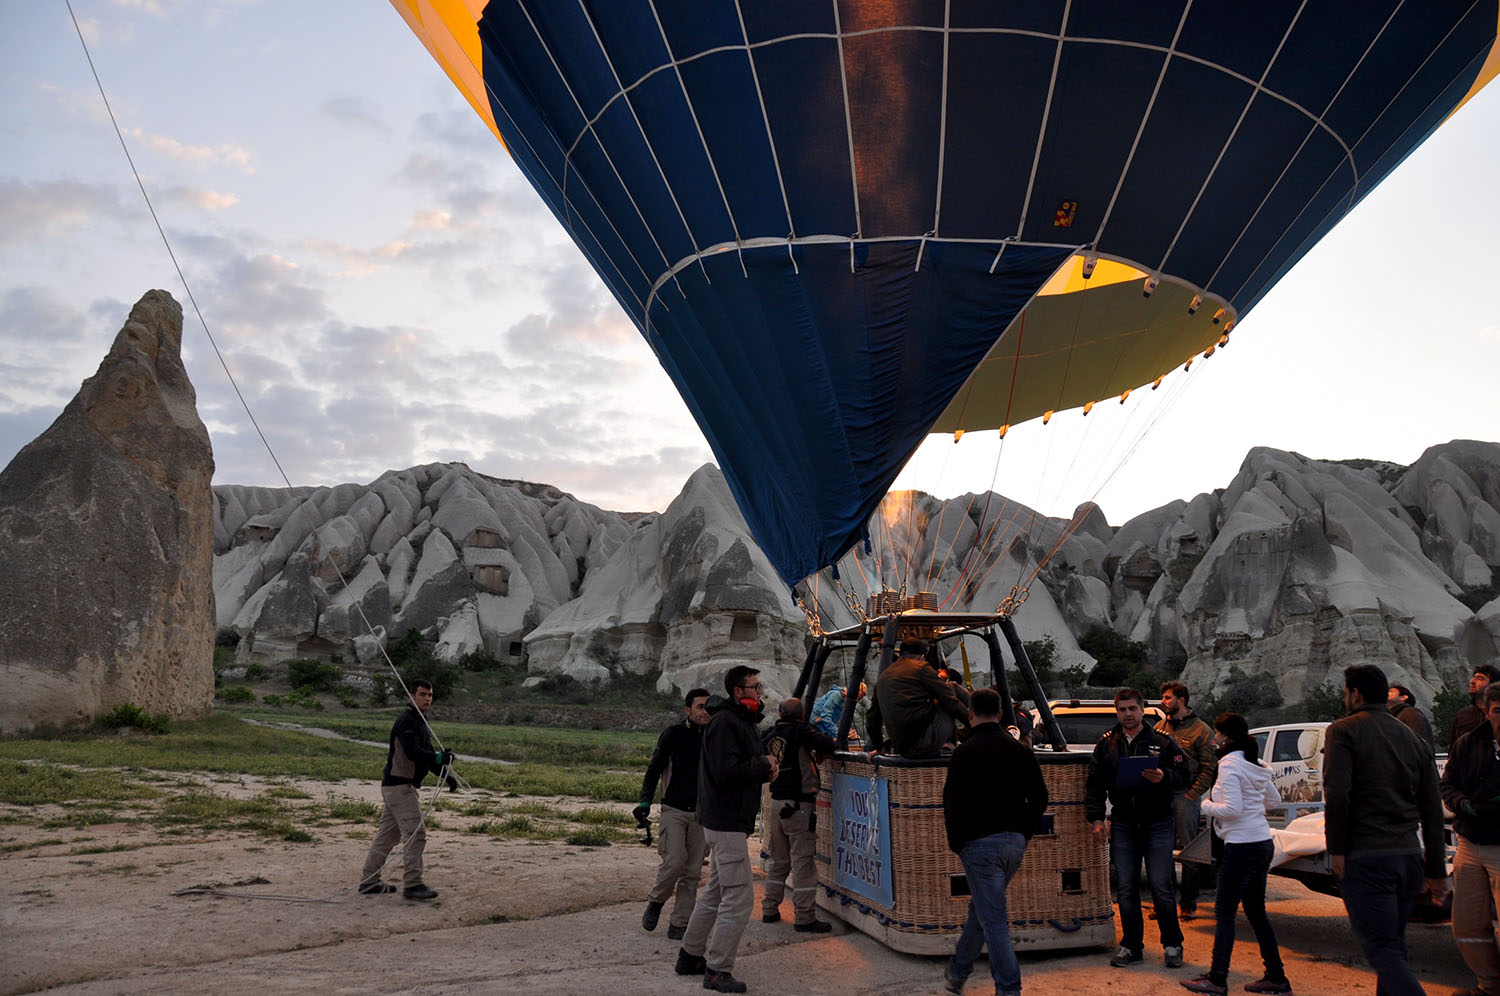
(920, 709)
(1137, 769)
(993, 800)
(1242, 792)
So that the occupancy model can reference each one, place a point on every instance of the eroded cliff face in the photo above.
(106, 533)
(1295, 570)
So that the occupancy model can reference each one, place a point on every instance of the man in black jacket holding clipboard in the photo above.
(1138, 770)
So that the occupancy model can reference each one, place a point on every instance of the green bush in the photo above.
(1445, 708)
(255, 671)
(1118, 657)
(127, 714)
(380, 692)
(236, 693)
(347, 697)
(306, 674)
(479, 660)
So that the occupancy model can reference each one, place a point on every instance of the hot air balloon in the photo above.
(844, 225)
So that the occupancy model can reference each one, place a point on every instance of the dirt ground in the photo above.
(512, 917)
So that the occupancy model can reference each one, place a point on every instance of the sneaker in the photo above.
(772, 917)
(688, 964)
(952, 985)
(1187, 911)
(375, 888)
(419, 892)
(1173, 957)
(723, 982)
(813, 927)
(676, 933)
(1284, 988)
(652, 916)
(1125, 956)
(1203, 984)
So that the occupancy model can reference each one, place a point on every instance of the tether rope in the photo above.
(446, 771)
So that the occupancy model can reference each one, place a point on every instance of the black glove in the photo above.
(642, 814)
(452, 783)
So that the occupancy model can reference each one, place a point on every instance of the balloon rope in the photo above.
(245, 404)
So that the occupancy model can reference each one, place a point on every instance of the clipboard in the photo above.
(1131, 772)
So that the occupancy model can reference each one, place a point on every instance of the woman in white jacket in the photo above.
(1237, 803)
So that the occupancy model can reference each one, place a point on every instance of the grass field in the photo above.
(77, 780)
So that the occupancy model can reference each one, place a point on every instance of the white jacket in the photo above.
(1242, 793)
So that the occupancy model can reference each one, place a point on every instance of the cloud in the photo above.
(353, 110)
(152, 7)
(459, 128)
(263, 295)
(197, 155)
(36, 212)
(204, 200)
(1489, 333)
(48, 346)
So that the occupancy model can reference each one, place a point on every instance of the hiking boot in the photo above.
(375, 888)
(1173, 956)
(813, 927)
(652, 916)
(723, 982)
(1204, 984)
(952, 985)
(688, 964)
(1125, 956)
(1284, 988)
(419, 892)
(772, 917)
(676, 933)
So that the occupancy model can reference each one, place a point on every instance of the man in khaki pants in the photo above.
(681, 844)
(1471, 788)
(730, 774)
(409, 758)
(790, 828)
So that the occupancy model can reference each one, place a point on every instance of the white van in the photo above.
(1295, 755)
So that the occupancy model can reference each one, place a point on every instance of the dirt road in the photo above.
(513, 917)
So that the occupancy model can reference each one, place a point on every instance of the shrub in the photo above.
(1117, 655)
(236, 693)
(306, 674)
(380, 690)
(479, 660)
(255, 672)
(1445, 708)
(347, 698)
(127, 714)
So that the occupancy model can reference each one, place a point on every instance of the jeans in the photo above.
(990, 863)
(1185, 813)
(1242, 877)
(1128, 845)
(1379, 893)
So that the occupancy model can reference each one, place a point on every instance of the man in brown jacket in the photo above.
(915, 705)
(1379, 784)
(1196, 739)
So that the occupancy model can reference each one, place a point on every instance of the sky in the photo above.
(387, 290)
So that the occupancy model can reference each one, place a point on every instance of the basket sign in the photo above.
(862, 838)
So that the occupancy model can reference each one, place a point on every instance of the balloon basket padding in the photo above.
(1059, 899)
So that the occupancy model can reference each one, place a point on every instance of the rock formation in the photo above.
(106, 534)
(1295, 570)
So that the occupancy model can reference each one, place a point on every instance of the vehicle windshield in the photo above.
(1085, 728)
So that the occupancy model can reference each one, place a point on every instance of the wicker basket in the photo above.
(1059, 899)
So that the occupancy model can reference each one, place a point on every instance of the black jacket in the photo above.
(1137, 806)
(732, 769)
(994, 785)
(675, 763)
(409, 757)
(793, 743)
(1472, 776)
(1378, 784)
(907, 695)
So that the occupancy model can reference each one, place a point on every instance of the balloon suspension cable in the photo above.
(446, 771)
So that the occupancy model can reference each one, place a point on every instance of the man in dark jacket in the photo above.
(730, 773)
(1403, 705)
(1471, 788)
(790, 828)
(675, 764)
(1196, 739)
(409, 758)
(1378, 785)
(1471, 716)
(993, 800)
(915, 704)
(1137, 770)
